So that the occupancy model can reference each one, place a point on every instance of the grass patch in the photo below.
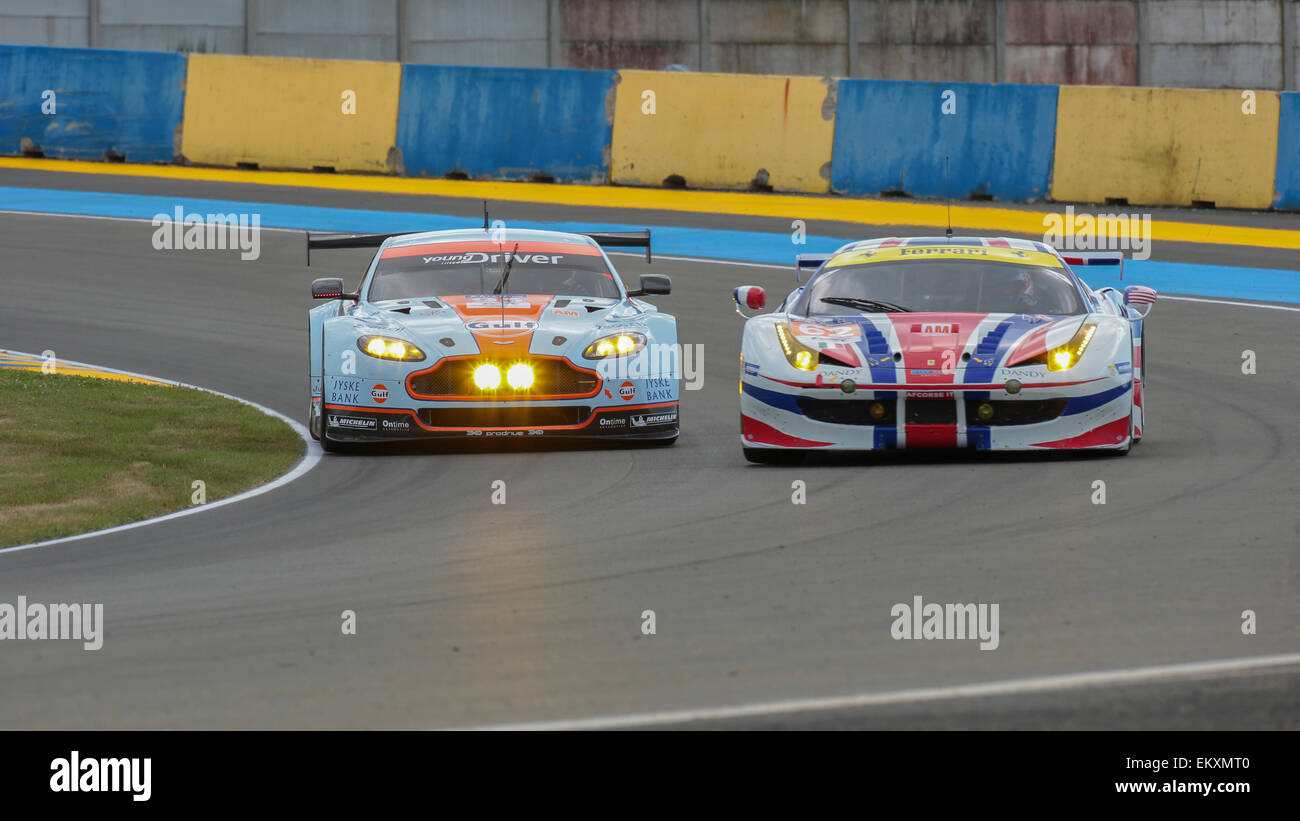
(80, 454)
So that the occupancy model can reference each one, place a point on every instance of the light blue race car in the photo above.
(491, 333)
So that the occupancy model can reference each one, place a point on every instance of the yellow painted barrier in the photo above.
(871, 214)
(723, 130)
(283, 112)
(1155, 146)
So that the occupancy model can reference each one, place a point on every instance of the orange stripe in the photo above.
(414, 416)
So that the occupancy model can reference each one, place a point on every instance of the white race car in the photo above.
(943, 342)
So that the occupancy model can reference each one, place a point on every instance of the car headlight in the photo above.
(1068, 355)
(622, 344)
(799, 354)
(386, 347)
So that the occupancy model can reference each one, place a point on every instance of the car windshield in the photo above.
(446, 269)
(946, 285)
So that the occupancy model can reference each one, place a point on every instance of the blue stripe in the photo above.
(978, 437)
(1079, 404)
(885, 437)
(1262, 284)
(784, 401)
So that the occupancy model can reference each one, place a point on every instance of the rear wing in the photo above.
(1094, 258)
(807, 261)
(605, 239)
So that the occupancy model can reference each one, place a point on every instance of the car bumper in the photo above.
(1088, 414)
(350, 423)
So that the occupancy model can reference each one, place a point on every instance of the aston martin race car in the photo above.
(491, 333)
(943, 342)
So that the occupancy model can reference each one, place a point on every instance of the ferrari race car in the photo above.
(491, 333)
(943, 342)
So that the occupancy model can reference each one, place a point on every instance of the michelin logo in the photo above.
(645, 420)
(352, 422)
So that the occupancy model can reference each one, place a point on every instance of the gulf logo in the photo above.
(510, 326)
(379, 393)
(627, 390)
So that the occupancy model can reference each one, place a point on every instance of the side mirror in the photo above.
(653, 284)
(749, 296)
(1141, 300)
(328, 288)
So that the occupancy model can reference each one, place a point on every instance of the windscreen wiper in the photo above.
(505, 272)
(865, 304)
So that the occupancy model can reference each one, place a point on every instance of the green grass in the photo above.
(80, 454)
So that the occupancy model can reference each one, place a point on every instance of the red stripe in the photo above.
(1111, 433)
(758, 433)
(999, 243)
(931, 436)
(491, 247)
(931, 351)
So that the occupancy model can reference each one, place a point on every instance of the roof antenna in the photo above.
(485, 217)
(947, 192)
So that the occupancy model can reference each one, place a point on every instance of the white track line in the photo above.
(305, 464)
(1229, 302)
(1012, 687)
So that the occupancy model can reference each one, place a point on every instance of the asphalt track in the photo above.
(473, 614)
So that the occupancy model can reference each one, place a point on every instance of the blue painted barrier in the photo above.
(1287, 181)
(505, 123)
(893, 135)
(105, 103)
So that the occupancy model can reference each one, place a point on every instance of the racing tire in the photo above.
(329, 445)
(772, 456)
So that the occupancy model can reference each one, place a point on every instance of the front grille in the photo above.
(552, 377)
(1015, 411)
(931, 411)
(519, 416)
(847, 411)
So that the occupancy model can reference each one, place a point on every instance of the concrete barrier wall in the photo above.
(1215, 44)
(1095, 43)
(90, 104)
(278, 112)
(1165, 147)
(1287, 182)
(952, 40)
(1172, 43)
(723, 130)
(893, 136)
(506, 123)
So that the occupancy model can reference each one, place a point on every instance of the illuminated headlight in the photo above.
(384, 347)
(487, 377)
(800, 355)
(1068, 355)
(520, 376)
(624, 344)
